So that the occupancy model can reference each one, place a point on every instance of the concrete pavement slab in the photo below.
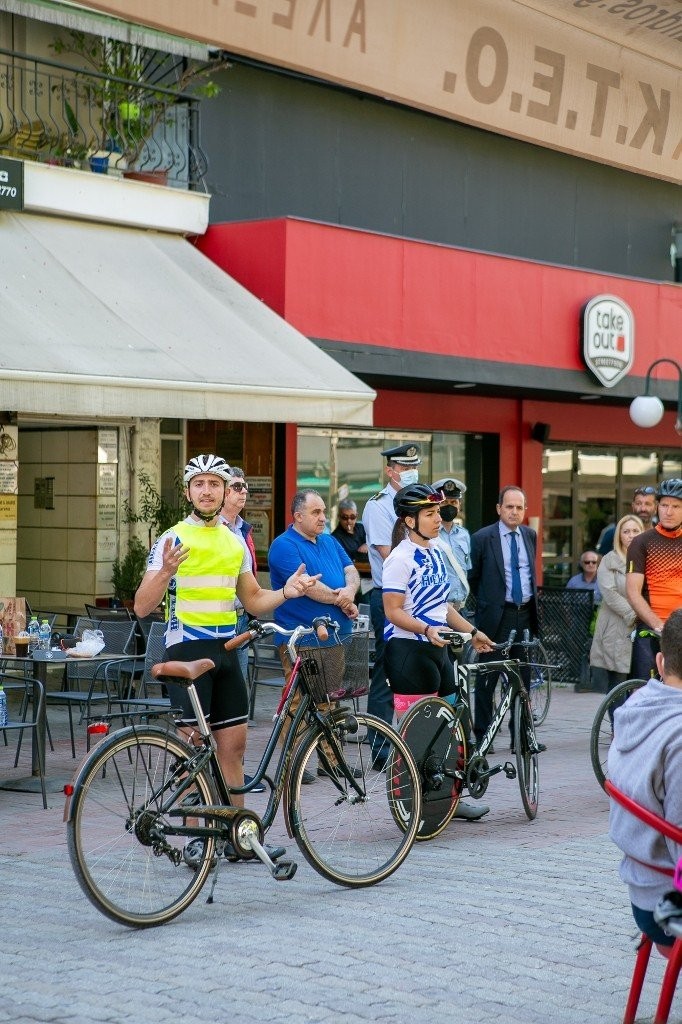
(500, 920)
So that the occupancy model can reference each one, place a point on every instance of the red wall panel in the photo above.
(353, 286)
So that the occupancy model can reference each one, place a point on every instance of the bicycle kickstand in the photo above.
(282, 871)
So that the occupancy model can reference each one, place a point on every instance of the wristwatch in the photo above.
(474, 631)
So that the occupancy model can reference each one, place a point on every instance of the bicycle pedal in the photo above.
(284, 870)
(509, 770)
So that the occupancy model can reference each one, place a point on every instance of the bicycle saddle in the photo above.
(668, 913)
(183, 669)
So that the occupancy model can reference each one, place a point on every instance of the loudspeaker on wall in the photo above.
(540, 432)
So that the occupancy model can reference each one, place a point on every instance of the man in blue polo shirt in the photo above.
(333, 593)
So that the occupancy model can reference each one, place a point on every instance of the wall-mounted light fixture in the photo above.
(647, 410)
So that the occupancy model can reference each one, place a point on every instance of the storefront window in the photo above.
(586, 489)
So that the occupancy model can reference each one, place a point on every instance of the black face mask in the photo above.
(448, 513)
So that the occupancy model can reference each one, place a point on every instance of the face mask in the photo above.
(409, 476)
(448, 513)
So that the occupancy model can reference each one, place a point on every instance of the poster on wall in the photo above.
(107, 479)
(260, 523)
(260, 493)
(107, 445)
(8, 508)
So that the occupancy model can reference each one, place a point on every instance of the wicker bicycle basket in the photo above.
(337, 672)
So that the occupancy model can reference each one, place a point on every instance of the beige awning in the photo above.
(109, 321)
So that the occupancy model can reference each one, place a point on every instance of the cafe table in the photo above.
(39, 661)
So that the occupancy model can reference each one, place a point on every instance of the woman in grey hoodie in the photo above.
(645, 762)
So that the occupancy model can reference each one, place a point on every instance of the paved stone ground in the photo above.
(502, 920)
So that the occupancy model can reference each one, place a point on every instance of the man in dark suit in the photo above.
(502, 579)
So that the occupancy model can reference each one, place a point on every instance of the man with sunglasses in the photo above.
(350, 534)
(236, 494)
(643, 505)
(586, 579)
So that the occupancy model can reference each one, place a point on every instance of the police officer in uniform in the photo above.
(378, 519)
(454, 540)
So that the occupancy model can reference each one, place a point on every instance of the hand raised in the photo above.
(300, 582)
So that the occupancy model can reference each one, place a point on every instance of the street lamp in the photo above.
(647, 410)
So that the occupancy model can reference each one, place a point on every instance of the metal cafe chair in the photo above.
(674, 963)
(31, 687)
(82, 679)
(142, 698)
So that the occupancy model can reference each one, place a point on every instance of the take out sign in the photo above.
(608, 338)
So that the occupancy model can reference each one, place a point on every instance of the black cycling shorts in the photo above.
(416, 667)
(222, 691)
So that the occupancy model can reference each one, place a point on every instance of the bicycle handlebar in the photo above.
(320, 626)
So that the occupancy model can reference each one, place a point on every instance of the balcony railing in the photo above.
(53, 113)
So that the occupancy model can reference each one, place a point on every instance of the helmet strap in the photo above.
(207, 517)
(415, 528)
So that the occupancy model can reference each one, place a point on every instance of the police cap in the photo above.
(450, 487)
(404, 454)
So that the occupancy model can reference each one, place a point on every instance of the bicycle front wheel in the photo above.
(601, 734)
(540, 684)
(123, 850)
(527, 768)
(434, 734)
(355, 833)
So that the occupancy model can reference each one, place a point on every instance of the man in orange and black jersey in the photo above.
(654, 576)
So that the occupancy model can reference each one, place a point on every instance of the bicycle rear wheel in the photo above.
(540, 684)
(125, 857)
(355, 838)
(527, 768)
(434, 734)
(601, 734)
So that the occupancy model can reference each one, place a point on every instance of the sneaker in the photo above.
(193, 852)
(260, 788)
(307, 778)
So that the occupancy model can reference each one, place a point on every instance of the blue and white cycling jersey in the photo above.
(421, 575)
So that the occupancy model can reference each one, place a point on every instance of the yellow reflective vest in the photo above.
(203, 590)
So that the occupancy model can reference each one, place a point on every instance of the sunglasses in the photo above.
(348, 517)
(645, 490)
(590, 561)
(240, 485)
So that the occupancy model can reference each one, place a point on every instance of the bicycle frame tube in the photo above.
(515, 688)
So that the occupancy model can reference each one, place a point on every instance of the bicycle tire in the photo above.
(433, 732)
(601, 733)
(527, 767)
(540, 684)
(112, 855)
(351, 840)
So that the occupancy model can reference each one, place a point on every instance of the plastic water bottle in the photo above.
(33, 633)
(45, 636)
(3, 707)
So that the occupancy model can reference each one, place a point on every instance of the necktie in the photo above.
(516, 588)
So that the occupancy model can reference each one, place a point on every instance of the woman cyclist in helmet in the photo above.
(415, 591)
(202, 567)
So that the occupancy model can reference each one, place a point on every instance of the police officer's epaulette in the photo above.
(375, 496)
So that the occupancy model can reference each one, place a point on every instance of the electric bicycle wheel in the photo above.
(355, 833)
(120, 833)
(527, 767)
(540, 684)
(433, 732)
(601, 734)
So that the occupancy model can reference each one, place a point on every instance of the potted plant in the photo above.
(154, 511)
(133, 91)
(127, 572)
